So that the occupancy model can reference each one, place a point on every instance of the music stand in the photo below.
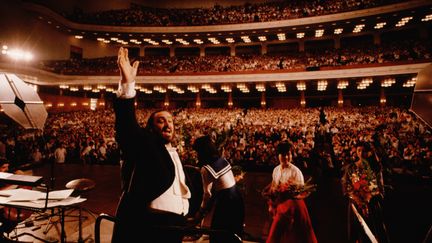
(21, 102)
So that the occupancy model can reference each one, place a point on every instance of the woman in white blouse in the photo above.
(291, 222)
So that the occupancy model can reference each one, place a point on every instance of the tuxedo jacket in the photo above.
(147, 170)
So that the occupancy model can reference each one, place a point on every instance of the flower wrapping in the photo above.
(289, 190)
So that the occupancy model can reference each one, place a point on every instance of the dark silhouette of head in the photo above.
(284, 147)
(284, 153)
(206, 149)
(364, 150)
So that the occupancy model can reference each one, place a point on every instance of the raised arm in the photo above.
(126, 123)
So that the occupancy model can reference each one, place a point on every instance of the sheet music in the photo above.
(40, 204)
(4, 175)
(20, 195)
(20, 179)
(59, 194)
(26, 195)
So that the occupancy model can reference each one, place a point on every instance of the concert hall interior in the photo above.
(346, 84)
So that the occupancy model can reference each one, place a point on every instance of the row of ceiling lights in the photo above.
(243, 87)
(246, 39)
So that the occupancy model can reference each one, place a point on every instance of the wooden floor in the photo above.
(408, 212)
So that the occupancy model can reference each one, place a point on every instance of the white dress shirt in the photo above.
(126, 90)
(175, 198)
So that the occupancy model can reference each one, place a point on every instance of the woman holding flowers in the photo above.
(291, 221)
(365, 190)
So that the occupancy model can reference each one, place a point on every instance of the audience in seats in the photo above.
(396, 52)
(138, 15)
(249, 137)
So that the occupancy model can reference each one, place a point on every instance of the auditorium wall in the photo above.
(20, 29)
(59, 103)
(283, 103)
(422, 97)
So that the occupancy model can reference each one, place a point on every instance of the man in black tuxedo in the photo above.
(154, 192)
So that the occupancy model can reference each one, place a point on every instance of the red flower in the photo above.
(362, 188)
(356, 185)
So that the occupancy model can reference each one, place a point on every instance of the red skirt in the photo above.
(291, 224)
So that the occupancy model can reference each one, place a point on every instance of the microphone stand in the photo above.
(51, 183)
(52, 178)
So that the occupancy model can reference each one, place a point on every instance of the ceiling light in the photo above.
(338, 31)
(280, 86)
(281, 36)
(198, 41)
(364, 83)
(230, 40)
(226, 88)
(260, 87)
(342, 84)
(388, 82)
(246, 39)
(403, 21)
(322, 85)
(410, 83)
(427, 18)
(380, 25)
(301, 86)
(300, 35)
(358, 28)
(319, 33)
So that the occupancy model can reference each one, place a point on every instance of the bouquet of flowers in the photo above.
(362, 188)
(289, 190)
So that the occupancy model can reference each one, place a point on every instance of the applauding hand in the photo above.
(128, 72)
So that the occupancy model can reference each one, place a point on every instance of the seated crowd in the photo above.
(396, 52)
(247, 138)
(138, 15)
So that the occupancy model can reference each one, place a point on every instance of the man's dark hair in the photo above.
(283, 147)
(150, 120)
(369, 153)
(207, 150)
(237, 170)
(367, 147)
(3, 161)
